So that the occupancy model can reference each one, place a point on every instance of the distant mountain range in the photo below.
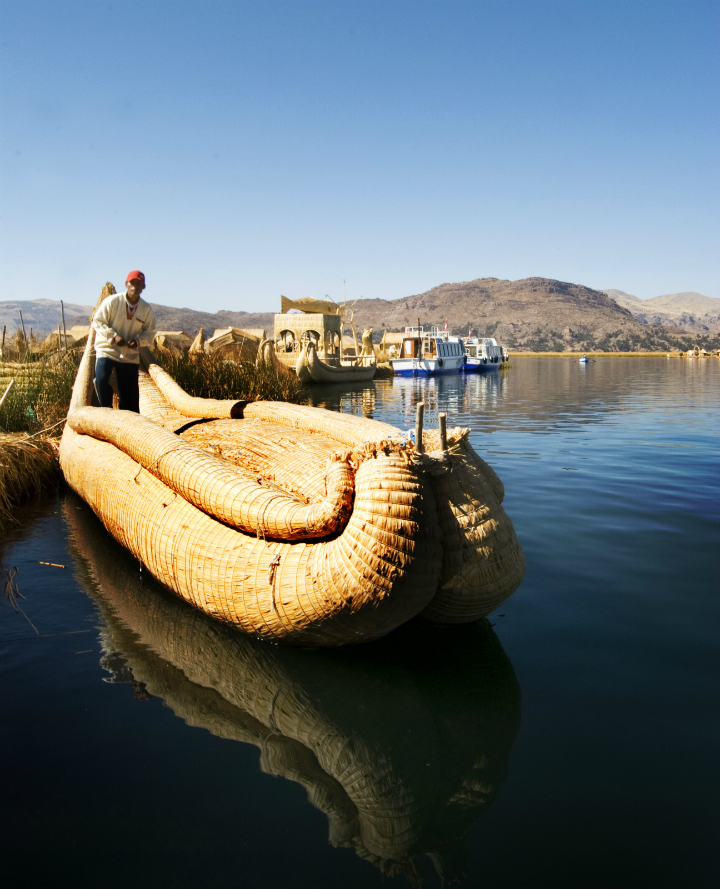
(686, 311)
(535, 314)
(42, 316)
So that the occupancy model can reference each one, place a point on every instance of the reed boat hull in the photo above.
(311, 369)
(292, 523)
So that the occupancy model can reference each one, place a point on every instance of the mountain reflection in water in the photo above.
(402, 743)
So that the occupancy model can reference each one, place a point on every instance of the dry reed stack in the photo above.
(27, 466)
(293, 523)
(356, 728)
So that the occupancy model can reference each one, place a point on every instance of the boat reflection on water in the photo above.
(402, 743)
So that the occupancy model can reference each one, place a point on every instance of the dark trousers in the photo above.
(127, 382)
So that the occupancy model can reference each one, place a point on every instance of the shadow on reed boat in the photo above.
(403, 744)
(291, 522)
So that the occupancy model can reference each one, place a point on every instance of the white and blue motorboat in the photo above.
(482, 354)
(428, 353)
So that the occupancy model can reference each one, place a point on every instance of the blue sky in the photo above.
(236, 151)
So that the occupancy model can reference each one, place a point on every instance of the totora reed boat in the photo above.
(293, 523)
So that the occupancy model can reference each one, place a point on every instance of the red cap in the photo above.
(135, 274)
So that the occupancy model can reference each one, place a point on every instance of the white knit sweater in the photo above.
(111, 319)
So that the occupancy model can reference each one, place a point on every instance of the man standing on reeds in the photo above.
(119, 322)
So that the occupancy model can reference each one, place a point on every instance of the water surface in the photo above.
(569, 741)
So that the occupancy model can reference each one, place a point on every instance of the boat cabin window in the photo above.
(411, 348)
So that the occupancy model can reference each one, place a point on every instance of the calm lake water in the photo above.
(569, 741)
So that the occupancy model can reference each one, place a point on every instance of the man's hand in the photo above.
(119, 341)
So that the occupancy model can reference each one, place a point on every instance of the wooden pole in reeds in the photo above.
(59, 338)
(62, 312)
(2, 348)
(442, 419)
(7, 391)
(22, 323)
(419, 449)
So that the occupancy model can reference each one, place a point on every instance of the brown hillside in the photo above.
(538, 314)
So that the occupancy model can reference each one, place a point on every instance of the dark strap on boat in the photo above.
(238, 414)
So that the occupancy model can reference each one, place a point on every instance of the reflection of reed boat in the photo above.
(293, 523)
(401, 751)
(310, 368)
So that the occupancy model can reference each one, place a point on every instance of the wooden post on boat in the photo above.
(62, 312)
(442, 419)
(419, 449)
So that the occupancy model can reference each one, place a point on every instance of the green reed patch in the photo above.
(40, 396)
(210, 376)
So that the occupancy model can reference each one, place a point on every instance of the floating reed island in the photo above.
(295, 524)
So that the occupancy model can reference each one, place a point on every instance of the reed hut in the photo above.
(175, 341)
(233, 344)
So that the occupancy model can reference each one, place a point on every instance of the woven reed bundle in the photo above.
(483, 563)
(154, 405)
(84, 387)
(290, 459)
(379, 572)
(229, 493)
(346, 429)
(357, 732)
(188, 405)
(431, 443)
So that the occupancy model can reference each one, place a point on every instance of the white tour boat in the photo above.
(483, 354)
(428, 353)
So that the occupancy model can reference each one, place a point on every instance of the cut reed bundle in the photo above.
(27, 466)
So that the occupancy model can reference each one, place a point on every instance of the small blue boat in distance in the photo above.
(428, 353)
(584, 360)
